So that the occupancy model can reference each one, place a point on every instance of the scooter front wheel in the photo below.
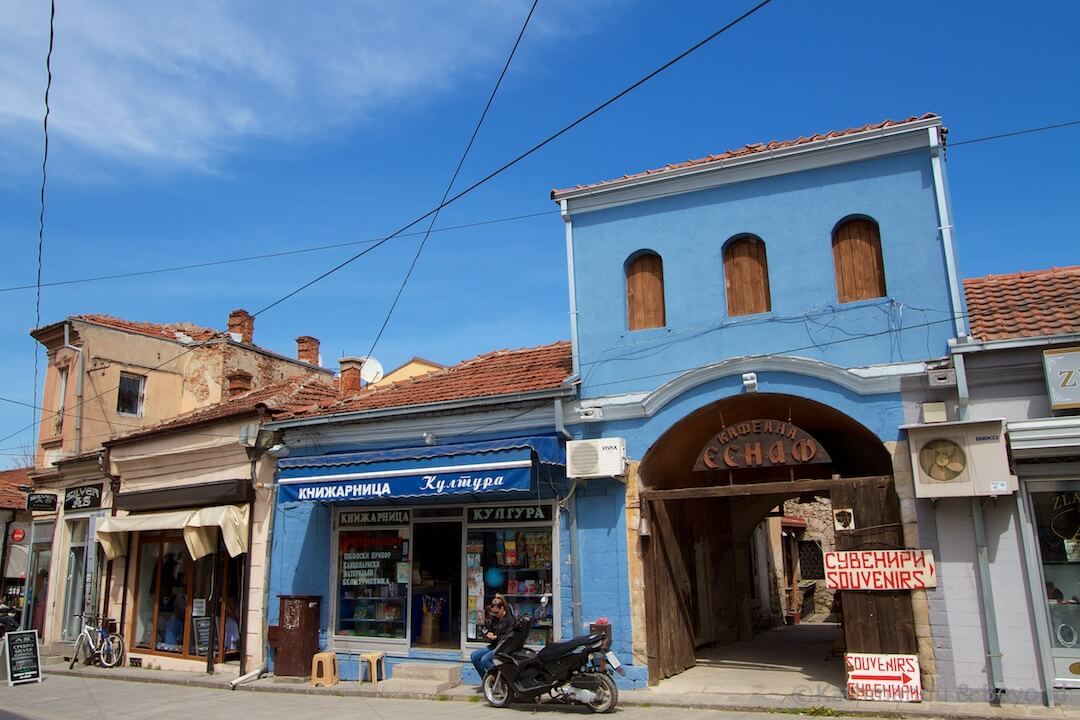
(496, 689)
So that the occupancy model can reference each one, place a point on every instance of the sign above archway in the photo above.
(760, 443)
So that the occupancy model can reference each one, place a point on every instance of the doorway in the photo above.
(436, 585)
(75, 581)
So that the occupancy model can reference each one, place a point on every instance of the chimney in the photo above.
(350, 375)
(307, 349)
(242, 324)
(239, 382)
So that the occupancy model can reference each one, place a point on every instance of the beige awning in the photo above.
(198, 527)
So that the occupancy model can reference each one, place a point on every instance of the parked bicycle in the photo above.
(98, 643)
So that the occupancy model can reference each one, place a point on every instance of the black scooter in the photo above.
(575, 671)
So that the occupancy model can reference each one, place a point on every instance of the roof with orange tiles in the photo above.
(291, 395)
(178, 332)
(11, 497)
(503, 372)
(745, 151)
(1024, 304)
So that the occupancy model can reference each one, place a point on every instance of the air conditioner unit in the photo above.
(960, 459)
(605, 457)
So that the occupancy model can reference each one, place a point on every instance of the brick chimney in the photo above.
(307, 349)
(239, 382)
(350, 375)
(243, 324)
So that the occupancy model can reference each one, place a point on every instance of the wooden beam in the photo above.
(748, 489)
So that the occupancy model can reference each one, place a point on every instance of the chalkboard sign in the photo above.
(41, 502)
(203, 626)
(21, 657)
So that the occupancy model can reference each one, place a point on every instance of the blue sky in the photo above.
(206, 131)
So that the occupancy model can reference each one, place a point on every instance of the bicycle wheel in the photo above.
(112, 651)
(79, 642)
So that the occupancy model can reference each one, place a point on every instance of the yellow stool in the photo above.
(324, 669)
(373, 659)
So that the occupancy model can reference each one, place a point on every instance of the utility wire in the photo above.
(464, 192)
(41, 214)
(453, 179)
(1014, 133)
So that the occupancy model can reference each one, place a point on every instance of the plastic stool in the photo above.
(373, 660)
(324, 669)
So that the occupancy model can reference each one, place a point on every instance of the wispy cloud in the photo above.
(182, 83)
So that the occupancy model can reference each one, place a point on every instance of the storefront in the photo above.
(422, 539)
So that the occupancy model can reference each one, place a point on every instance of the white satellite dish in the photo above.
(371, 371)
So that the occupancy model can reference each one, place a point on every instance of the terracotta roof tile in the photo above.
(170, 331)
(496, 373)
(746, 150)
(1024, 304)
(11, 497)
(291, 395)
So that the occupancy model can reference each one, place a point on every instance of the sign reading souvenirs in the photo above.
(510, 513)
(889, 678)
(85, 497)
(760, 443)
(880, 570)
(346, 488)
(373, 517)
(41, 502)
(20, 651)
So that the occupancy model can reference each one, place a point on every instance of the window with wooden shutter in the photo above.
(860, 272)
(746, 276)
(645, 292)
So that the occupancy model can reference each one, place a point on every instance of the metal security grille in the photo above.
(811, 561)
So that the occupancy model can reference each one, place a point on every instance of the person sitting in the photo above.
(502, 622)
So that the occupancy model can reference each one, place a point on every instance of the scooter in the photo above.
(9, 619)
(575, 671)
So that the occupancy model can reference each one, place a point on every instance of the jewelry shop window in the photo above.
(373, 576)
(515, 561)
(1057, 521)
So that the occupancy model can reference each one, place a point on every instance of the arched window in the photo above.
(860, 272)
(645, 291)
(746, 276)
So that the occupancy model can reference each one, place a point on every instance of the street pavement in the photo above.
(78, 698)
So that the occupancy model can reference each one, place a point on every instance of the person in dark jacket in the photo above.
(501, 622)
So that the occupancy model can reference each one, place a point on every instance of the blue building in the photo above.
(757, 326)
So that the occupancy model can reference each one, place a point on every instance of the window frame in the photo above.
(875, 248)
(729, 286)
(139, 399)
(643, 311)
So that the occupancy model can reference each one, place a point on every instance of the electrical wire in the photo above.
(1015, 133)
(453, 179)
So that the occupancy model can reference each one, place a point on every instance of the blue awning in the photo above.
(420, 472)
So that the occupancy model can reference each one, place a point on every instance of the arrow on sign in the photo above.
(901, 678)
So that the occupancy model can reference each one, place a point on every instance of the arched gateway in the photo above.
(708, 481)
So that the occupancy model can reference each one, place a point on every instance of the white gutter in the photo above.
(945, 224)
(575, 358)
(1014, 343)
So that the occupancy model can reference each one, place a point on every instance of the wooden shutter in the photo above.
(645, 292)
(746, 276)
(860, 272)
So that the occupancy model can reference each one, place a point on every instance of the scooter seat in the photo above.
(562, 648)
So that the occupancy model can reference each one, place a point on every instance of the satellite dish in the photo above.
(371, 371)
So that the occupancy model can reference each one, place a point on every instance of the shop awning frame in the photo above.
(198, 527)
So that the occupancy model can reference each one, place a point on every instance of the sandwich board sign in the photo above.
(21, 660)
(886, 678)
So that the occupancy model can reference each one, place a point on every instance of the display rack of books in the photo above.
(373, 585)
(517, 565)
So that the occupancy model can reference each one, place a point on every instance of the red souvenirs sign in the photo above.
(760, 443)
(888, 678)
(880, 570)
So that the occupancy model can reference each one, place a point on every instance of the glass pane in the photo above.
(230, 638)
(200, 606)
(145, 595)
(516, 564)
(78, 531)
(73, 591)
(127, 399)
(373, 572)
(39, 587)
(1057, 521)
(172, 597)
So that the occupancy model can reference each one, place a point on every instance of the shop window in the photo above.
(516, 564)
(645, 292)
(811, 560)
(1057, 521)
(746, 276)
(860, 271)
(129, 397)
(373, 583)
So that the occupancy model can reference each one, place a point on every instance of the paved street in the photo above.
(67, 698)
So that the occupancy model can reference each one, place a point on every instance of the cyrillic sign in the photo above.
(347, 490)
(353, 518)
(886, 678)
(880, 570)
(760, 443)
(510, 514)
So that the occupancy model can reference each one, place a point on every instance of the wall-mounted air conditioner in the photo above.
(960, 459)
(605, 457)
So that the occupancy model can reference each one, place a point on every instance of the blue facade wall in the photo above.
(795, 215)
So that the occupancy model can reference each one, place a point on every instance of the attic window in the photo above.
(129, 398)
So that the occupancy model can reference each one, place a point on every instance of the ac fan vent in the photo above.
(942, 460)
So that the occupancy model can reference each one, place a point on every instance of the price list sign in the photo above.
(21, 657)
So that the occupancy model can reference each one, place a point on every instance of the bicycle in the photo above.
(99, 643)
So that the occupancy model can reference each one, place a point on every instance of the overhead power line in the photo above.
(453, 179)
(1014, 133)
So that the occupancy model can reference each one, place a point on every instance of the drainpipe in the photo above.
(986, 592)
(267, 562)
(937, 164)
(78, 388)
(244, 608)
(575, 358)
(569, 504)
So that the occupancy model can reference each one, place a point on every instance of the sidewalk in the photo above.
(762, 703)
